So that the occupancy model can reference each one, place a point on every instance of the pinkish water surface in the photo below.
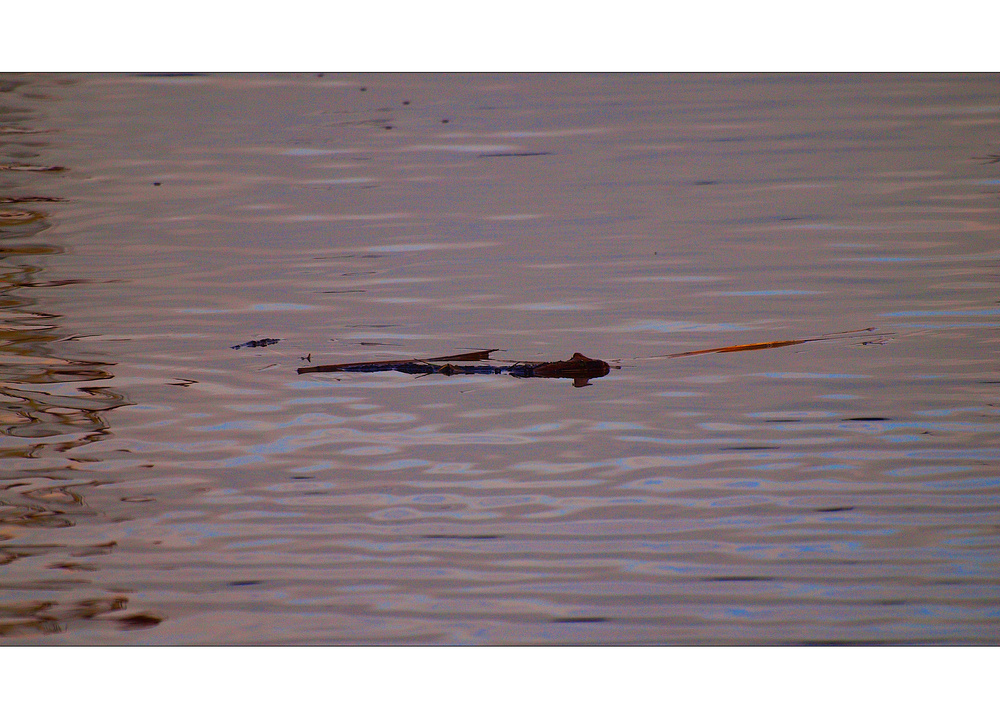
(159, 487)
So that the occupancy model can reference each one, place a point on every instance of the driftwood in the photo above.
(267, 341)
(579, 368)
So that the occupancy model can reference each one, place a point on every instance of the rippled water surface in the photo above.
(159, 487)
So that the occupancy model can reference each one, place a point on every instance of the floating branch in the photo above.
(29, 167)
(498, 154)
(579, 368)
(30, 199)
(257, 343)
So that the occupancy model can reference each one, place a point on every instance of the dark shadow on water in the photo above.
(47, 617)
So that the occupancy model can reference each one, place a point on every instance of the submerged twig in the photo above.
(849, 334)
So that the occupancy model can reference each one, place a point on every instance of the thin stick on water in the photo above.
(849, 334)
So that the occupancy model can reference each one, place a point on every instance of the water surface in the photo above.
(159, 487)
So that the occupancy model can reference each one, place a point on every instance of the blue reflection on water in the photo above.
(934, 313)
(810, 375)
(679, 326)
(966, 483)
(242, 460)
(917, 471)
(281, 306)
(399, 464)
(756, 293)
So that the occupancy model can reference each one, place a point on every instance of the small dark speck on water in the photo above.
(444, 121)
(157, 183)
(867, 419)
(363, 89)
(139, 621)
(499, 154)
(406, 102)
(835, 509)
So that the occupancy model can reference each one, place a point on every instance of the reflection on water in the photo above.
(52, 402)
(773, 486)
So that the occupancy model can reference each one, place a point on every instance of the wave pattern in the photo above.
(159, 487)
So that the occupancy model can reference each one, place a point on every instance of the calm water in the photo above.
(159, 487)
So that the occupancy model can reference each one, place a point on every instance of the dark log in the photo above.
(579, 368)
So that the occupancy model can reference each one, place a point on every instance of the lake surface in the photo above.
(159, 487)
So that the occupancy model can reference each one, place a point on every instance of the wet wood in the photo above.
(267, 341)
(580, 368)
(466, 356)
(870, 331)
(386, 366)
(29, 167)
(30, 199)
(498, 154)
(739, 348)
